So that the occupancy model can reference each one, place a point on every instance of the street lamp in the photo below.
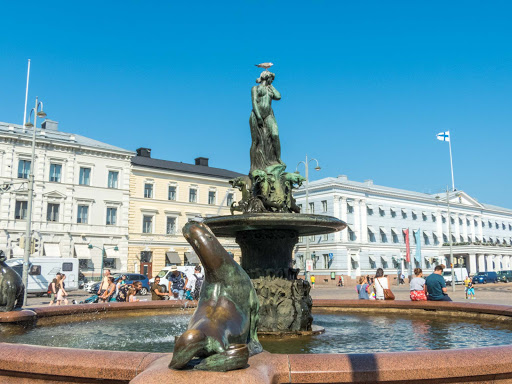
(317, 168)
(103, 254)
(37, 111)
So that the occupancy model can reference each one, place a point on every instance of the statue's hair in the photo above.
(265, 75)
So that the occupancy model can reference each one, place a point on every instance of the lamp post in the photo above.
(36, 112)
(103, 254)
(317, 168)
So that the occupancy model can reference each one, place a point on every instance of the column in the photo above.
(472, 227)
(489, 260)
(357, 222)
(464, 227)
(472, 264)
(336, 213)
(481, 262)
(364, 222)
(479, 229)
(506, 262)
(456, 227)
(498, 263)
(343, 206)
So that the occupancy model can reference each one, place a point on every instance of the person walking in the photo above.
(61, 291)
(313, 278)
(467, 280)
(177, 283)
(195, 282)
(104, 283)
(417, 286)
(436, 286)
(363, 289)
(470, 292)
(157, 290)
(53, 288)
(380, 283)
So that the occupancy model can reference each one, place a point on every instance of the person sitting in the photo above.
(110, 291)
(157, 291)
(417, 286)
(122, 294)
(436, 286)
(363, 289)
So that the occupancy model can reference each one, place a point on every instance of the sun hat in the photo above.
(174, 268)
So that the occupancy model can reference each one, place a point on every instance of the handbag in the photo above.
(388, 295)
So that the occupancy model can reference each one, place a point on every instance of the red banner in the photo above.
(407, 247)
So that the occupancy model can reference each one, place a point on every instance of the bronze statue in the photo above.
(223, 328)
(11, 287)
(267, 188)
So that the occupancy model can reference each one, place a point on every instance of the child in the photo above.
(362, 289)
(470, 292)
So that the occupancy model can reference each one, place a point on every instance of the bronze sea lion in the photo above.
(11, 287)
(223, 328)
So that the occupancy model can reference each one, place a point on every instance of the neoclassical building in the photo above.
(81, 196)
(378, 218)
(164, 195)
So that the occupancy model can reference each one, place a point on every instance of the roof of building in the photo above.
(184, 167)
(59, 136)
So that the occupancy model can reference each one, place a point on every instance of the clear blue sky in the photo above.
(365, 85)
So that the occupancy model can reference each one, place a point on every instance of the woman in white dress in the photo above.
(380, 283)
(61, 293)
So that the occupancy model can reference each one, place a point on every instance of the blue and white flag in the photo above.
(443, 136)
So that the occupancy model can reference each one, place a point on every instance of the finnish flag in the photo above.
(443, 136)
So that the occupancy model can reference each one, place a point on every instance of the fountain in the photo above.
(364, 340)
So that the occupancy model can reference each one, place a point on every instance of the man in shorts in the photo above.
(53, 297)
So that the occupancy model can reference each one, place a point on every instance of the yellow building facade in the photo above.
(164, 195)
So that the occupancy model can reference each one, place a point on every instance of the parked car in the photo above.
(505, 276)
(131, 277)
(485, 277)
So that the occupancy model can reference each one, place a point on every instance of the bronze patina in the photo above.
(11, 287)
(222, 330)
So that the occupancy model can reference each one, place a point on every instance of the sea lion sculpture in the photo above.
(11, 287)
(223, 328)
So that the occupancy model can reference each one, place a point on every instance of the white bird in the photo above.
(266, 66)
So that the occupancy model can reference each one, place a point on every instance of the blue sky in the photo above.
(365, 85)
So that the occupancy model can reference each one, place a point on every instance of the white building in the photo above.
(81, 196)
(378, 216)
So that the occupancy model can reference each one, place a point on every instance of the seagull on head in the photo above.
(265, 66)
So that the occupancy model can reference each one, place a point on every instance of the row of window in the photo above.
(84, 177)
(53, 210)
(192, 194)
(148, 224)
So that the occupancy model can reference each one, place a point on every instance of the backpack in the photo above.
(197, 287)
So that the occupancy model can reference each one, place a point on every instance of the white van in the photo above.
(164, 273)
(459, 273)
(42, 270)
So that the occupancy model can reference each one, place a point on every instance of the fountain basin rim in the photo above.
(303, 224)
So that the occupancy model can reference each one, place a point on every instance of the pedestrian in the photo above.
(313, 281)
(61, 291)
(195, 282)
(402, 278)
(104, 283)
(157, 290)
(467, 280)
(363, 289)
(471, 290)
(177, 283)
(53, 288)
(417, 286)
(436, 286)
(380, 283)
(110, 291)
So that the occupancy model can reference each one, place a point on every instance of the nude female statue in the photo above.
(266, 147)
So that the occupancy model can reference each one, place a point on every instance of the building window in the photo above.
(350, 208)
(461, 238)
(192, 195)
(113, 177)
(483, 224)
(369, 211)
(23, 169)
(383, 237)
(426, 240)
(147, 224)
(445, 238)
(85, 176)
(301, 239)
(82, 215)
(404, 215)
(148, 190)
(170, 229)
(211, 197)
(490, 224)
(52, 213)
(502, 225)
(436, 240)
(497, 226)
(395, 237)
(443, 219)
(452, 220)
(414, 216)
(311, 207)
(453, 239)
(405, 237)
(393, 213)
(324, 206)
(325, 237)
(20, 212)
(55, 171)
(468, 223)
(172, 193)
(460, 221)
(424, 217)
(434, 219)
(111, 216)
(382, 212)
(312, 238)
(371, 237)
(230, 199)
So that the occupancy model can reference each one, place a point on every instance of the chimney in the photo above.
(202, 161)
(50, 125)
(144, 152)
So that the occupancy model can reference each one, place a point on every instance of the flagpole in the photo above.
(451, 161)
(26, 97)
